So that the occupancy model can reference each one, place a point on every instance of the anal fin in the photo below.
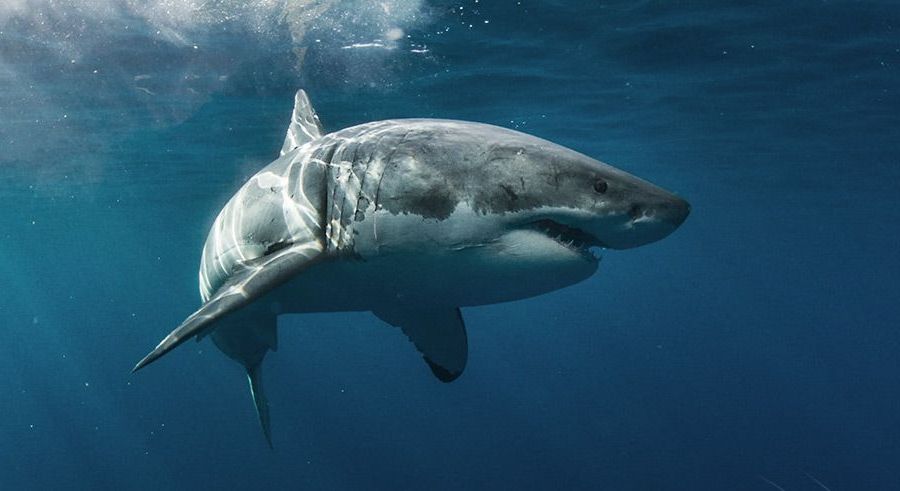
(439, 333)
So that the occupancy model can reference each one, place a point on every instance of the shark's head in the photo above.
(583, 203)
(561, 202)
(524, 202)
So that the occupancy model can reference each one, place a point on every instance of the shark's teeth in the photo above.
(569, 237)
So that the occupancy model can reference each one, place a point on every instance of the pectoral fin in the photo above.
(438, 333)
(247, 283)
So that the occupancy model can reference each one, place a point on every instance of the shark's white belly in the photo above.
(455, 262)
(477, 276)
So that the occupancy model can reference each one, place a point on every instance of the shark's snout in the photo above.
(649, 218)
(674, 211)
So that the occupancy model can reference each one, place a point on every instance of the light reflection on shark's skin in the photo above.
(410, 219)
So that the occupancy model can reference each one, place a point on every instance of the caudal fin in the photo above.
(254, 377)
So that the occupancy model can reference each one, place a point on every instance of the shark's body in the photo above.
(410, 219)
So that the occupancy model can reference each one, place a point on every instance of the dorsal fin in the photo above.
(304, 126)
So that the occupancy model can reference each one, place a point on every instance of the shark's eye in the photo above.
(600, 186)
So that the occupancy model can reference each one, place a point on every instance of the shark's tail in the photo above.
(247, 340)
(254, 377)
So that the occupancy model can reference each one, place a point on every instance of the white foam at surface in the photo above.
(61, 57)
(70, 26)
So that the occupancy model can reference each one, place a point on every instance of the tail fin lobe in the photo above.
(254, 377)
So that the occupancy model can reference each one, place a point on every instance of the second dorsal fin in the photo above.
(304, 126)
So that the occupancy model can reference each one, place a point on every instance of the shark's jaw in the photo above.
(572, 238)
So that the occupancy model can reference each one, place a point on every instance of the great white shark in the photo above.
(410, 219)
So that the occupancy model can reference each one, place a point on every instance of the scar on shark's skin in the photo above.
(410, 219)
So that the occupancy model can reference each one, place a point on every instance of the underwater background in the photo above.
(756, 348)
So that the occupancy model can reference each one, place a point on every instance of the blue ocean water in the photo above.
(755, 348)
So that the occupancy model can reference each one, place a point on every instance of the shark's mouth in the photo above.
(572, 238)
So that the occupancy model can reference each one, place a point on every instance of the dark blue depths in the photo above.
(755, 348)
